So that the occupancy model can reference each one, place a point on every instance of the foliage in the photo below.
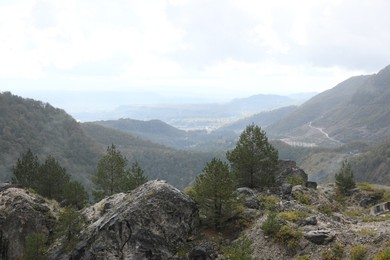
(334, 253)
(134, 177)
(110, 173)
(272, 224)
(254, 160)
(49, 179)
(358, 252)
(214, 190)
(288, 235)
(383, 254)
(293, 216)
(26, 170)
(303, 257)
(302, 198)
(270, 202)
(295, 180)
(344, 178)
(75, 194)
(241, 249)
(35, 248)
(69, 225)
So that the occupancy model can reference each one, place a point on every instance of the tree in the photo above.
(254, 160)
(344, 178)
(110, 173)
(70, 224)
(52, 178)
(35, 248)
(214, 191)
(134, 177)
(75, 194)
(26, 169)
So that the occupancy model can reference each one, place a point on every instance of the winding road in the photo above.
(324, 133)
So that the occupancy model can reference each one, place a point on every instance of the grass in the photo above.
(383, 217)
(358, 252)
(270, 202)
(366, 232)
(293, 216)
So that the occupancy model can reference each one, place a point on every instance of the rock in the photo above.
(287, 169)
(246, 191)
(22, 213)
(286, 188)
(249, 197)
(311, 185)
(307, 221)
(320, 237)
(366, 202)
(380, 208)
(199, 253)
(150, 222)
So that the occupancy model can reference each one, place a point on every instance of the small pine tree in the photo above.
(344, 178)
(214, 191)
(75, 194)
(35, 248)
(26, 170)
(69, 225)
(134, 177)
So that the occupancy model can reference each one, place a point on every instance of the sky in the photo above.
(78, 52)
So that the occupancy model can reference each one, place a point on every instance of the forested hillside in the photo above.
(159, 162)
(26, 123)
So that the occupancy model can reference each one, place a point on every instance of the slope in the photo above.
(26, 123)
(355, 109)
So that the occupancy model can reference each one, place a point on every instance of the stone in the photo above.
(380, 208)
(22, 213)
(311, 185)
(286, 188)
(287, 169)
(312, 220)
(246, 191)
(320, 237)
(151, 222)
(366, 202)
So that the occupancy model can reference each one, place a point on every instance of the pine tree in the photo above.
(110, 173)
(344, 178)
(75, 194)
(26, 170)
(134, 177)
(254, 160)
(214, 191)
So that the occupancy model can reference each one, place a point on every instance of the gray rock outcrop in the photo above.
(320, 237)
(150, 222)
(287, 169)
(22, 213)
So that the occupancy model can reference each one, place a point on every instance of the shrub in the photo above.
(270, 202)
(383, 255)
(325, 209)
(303, 257)
(35, 247)
(295, 180)
(334, 253)
(241, 249)
(344, 178)
(302, 198)
(358, 252)
(293, 216)
(288, 235)
(271, 225)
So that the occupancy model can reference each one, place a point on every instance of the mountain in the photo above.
(26, 123)
(262, 119)
(198, 116)
(356, 109)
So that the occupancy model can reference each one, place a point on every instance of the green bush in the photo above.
(325, 209)
(302, 198)
(383, 255)
(288, 235)
(272, 224)
(295, 180)
(270, 202)
(241, 249)
(293, 216)
(303, 257)
(334, 253)
(35, 247)
(358, 252)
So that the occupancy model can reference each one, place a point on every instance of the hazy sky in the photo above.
(180, 49)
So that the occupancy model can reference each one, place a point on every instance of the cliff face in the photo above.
(151, 222)
(22, 213)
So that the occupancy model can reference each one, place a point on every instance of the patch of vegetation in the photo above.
(383, 217)
(302, 198)
(365, 186)
(288, 235)
(383, 254)
(35, 248)
(270, 202)
(295, 180)
(241, 249)
(353, 213)
(303, 257)
(272, 224)
(366, 232)
(334, 253)
(358, 252)
(344, 178)
(293, 216)
(326, 209)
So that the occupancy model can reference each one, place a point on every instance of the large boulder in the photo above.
(22, 213)
(150, 222)
(288, 169)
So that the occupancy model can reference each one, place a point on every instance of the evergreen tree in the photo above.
(110, 173)
(70, 224)
(35, 248)
(344, 178)
(214, 191)
(26, 170)
(75, 194)
(134, 177)
(254, 160)
(52, 178)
